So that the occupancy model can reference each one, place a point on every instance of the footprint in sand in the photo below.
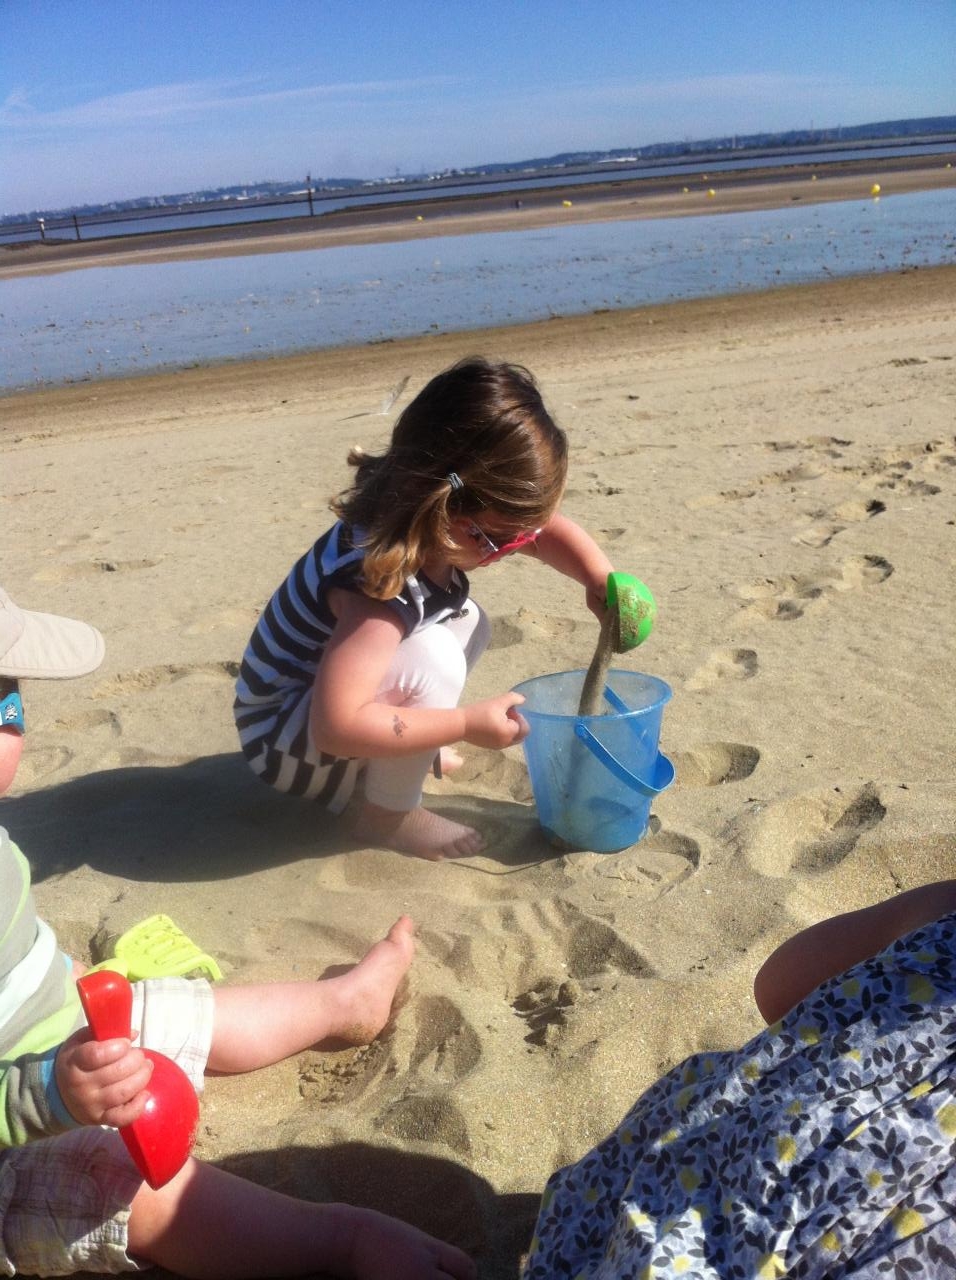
(504, 634)
(527, 625)
(583, 945)
(544, 1009)
(863, 571)
(903, 467)
(155, 677)
(73, 541)
(724, 664)
(593, 951)
(42, 762)
(830, 446)
(820, 534)
(809, 833)
(426, 1119)
(789, 597)
(98, 729)
(225, 619)
(446, 1045)
(910, 487)
(713, 763)
(494, 773)
(793, 476)
(329, 1079)
(88, 722)
(89, 569)
(601, 488)
(661, 860)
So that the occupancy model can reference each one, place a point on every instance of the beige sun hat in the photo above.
(44, 646)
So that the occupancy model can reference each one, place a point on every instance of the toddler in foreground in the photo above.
(360, 657)
(71, 1198)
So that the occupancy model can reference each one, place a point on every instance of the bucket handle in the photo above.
(615, 702)
(663, 769)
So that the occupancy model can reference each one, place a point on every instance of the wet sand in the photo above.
(685, 196)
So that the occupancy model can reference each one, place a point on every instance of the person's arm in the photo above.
(78, 1082)
(30, 1105)
(345, 718)
(565, 546)
(831, 947)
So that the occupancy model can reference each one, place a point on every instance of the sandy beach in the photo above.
(781, 470)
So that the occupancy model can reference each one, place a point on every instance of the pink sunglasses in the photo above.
(491, 550)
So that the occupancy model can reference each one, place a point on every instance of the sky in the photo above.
(114, 99)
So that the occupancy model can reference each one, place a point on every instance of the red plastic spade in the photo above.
(163, 1136)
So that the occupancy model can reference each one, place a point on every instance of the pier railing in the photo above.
(82, 226)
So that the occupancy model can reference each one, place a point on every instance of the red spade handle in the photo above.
(161, 1139)
(107, 1000)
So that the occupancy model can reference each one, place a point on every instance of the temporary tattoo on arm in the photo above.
(398, 726)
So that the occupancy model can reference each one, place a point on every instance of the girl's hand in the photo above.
(102, 1081)
(495, 722)
(596, 598)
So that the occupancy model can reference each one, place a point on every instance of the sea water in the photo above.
(113, 321)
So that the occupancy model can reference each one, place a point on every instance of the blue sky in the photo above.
(110, 99)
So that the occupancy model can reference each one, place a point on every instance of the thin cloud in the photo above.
(190, 100)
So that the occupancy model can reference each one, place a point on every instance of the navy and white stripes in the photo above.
(274, 688)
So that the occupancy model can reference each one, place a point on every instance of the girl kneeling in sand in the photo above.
(361, 655)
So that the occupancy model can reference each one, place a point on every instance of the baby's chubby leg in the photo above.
(256, 1025)
(207, 1222)
(429, 670)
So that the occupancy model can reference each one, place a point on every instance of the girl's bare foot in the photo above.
(419, 832)
(450, 760)
(361, 1000)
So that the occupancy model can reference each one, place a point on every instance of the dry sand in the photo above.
(780, 468)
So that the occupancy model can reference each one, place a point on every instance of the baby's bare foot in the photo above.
(363, 997)
(419, 832)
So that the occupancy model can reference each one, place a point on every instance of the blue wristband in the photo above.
(53, 1096)
(11, 711)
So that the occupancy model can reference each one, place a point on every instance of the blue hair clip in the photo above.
(11, 711)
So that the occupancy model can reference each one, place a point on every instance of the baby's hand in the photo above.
(495, 722)
(380, 1248)
(102, 1081)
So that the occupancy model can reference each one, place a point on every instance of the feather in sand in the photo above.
(394, 394)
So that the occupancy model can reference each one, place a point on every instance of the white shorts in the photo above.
(428, 670)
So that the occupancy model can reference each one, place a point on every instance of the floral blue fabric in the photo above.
(823, 1149)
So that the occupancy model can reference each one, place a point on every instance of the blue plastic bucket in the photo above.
(594, 777)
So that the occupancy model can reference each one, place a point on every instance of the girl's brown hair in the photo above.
(482, 422)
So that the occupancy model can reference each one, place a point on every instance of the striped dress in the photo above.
(274, 688)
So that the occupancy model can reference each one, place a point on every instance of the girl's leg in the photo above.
(254, 1026)
(209, 1223)
(429, 670)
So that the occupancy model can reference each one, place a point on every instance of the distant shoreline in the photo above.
(610, 199)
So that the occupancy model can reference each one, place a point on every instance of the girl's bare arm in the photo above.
(565, 546)
(831, 947)
(346, 719)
